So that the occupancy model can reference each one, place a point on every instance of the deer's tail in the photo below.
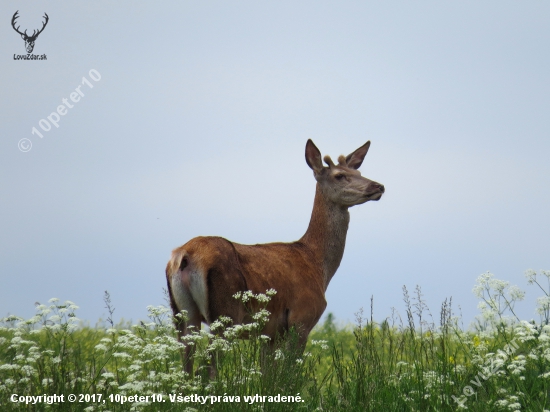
(187, 286)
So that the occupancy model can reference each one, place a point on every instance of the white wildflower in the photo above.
(246, 296)
(516, 293)
(543, 305)
(531, 276)
(322, 343)
(8, 367)
(260, 297)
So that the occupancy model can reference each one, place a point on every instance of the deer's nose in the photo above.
(379, 187)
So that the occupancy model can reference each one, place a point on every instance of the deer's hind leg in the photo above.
(181, 298)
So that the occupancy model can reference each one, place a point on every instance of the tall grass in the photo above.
(402, 363)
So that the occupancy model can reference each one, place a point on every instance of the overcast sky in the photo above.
(198, 123)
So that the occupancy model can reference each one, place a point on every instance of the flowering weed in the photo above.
(409, 363)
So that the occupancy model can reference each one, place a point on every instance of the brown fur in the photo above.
(208, 271)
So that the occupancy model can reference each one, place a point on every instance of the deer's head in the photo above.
(343, 184)
(29, 40)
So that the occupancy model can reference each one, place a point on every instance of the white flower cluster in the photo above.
(497, 298)
(55, 322)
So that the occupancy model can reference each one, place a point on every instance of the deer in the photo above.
(29, 40)
(205, 273)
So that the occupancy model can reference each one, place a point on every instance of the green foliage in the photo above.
(397, 364)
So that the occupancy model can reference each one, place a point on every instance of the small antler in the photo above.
(15, 16)
(328, 161)
(342, 160)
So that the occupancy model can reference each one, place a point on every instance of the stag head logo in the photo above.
(29, 40)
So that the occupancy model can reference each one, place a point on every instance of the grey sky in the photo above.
(198, 127)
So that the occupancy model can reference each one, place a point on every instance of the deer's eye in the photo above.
(339, 177)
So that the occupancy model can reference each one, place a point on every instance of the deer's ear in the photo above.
(313, 157)
(355, 159)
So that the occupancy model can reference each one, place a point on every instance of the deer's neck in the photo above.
(326, 234)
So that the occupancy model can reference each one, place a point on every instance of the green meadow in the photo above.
(419, 360)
